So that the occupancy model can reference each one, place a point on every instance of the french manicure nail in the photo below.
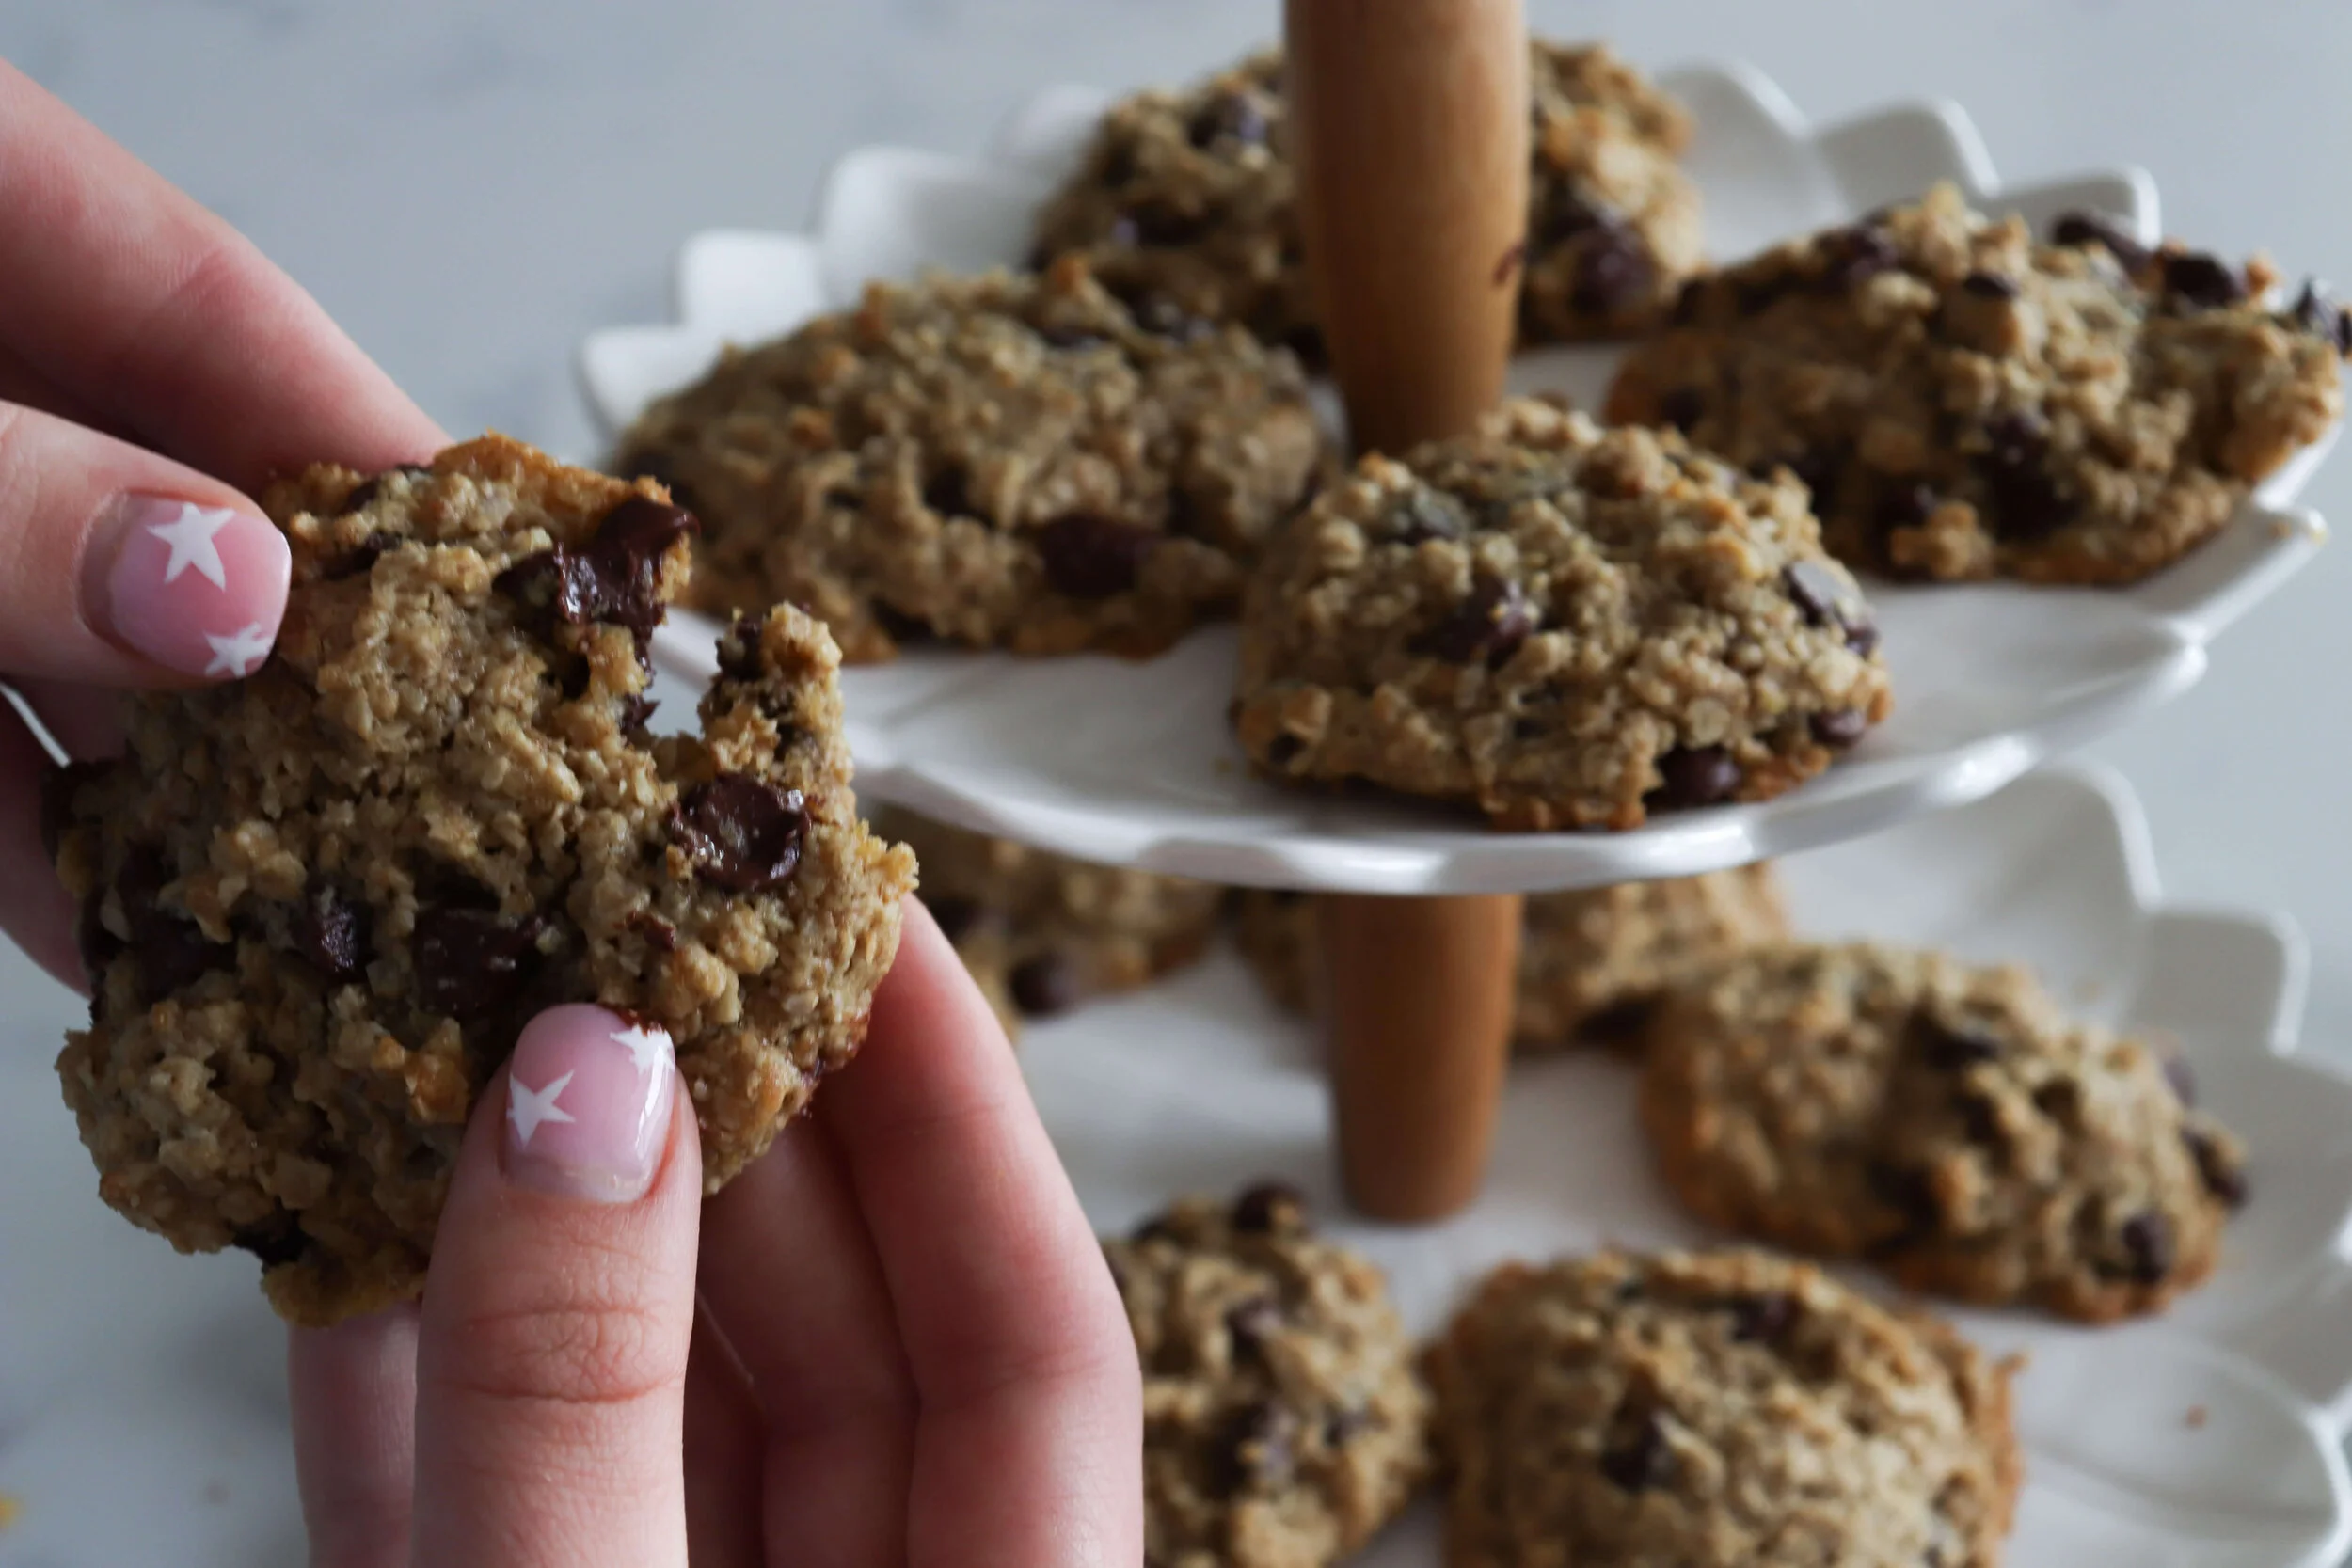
(196, 588)
(588, 1104)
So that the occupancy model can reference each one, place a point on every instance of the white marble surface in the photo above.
(470, 185)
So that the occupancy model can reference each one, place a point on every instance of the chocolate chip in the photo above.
(1258, 1449)
(955, 917)
(1268, 1206)
(2061, 1100)
(1906, 1191)
(1688, 300)
(738, 646)
(1490, 625)
(1903, 505)
(1954, 1047)
(2025, 503)
(615, 577)
(1695, 776)
(636, 711)
(171, 950)
(1156, 223)
(1840, 727)
(1682, 407)
(1284, 750)
(1569, 216)
(1251, 1323)
(359, 558)
(332, 932)
(2089, 229)
(1989, 285)
(469, 962)
(1620, 1024)
(1426, 514)
(662, 473)
(2315, 311)
(1819, 470)
(1853, 256)
(1639, 1459)
(363, 494)
(947, 493)
(1613, 271)
(1046, 985)
(1118, 165)
(2204, 281)
(275, 1241)
(1820, 596)
(1764, 1319)
(744, 835)
(1228, 116)
(1087, 557)
(2147, 1239)
(658, 933)
(2221, 1174)
(2182, 1077)
(1982, 1120)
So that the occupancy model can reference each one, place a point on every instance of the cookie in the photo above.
(1042, 933)
(1186, 203)
(1283, 1423)
(1710, 1410)
(1948, 1123)
(1002, 462)
(1965, 403)
(1563, 626)
(1590, 962)
(318, 904)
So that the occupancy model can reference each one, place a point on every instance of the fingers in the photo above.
(790, 1278)
(1031, 1446)
(552, 1365)
(354, 1394)
(35, 911)
(85, 721)
(127, 297)
(724, 1450)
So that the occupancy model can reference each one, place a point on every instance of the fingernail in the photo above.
(588, 1104)
(196, 588)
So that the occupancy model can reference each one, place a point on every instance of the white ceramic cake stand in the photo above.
(1134, 763)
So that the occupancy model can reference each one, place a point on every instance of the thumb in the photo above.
(552, 1357)
(118, 568)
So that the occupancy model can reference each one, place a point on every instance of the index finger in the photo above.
(134, 300)
(1031, 1439)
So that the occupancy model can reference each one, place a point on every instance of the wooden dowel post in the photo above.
(1409, 121)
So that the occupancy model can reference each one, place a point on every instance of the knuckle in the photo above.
(583, 1353)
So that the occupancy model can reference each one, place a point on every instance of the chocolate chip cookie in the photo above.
(1948, 1123)
(318, 904)
(1282, 1420)
(1707, 1409)
(1590, 962)
(1965, 403)
(1186, 203)
(1042, 933)
(1564, 625)
(1003, 461)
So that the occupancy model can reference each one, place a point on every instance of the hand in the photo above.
(150, 363)
(901, 1345)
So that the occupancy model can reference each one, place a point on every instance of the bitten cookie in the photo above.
(1590, 962)
(1713, 1410)
(1949, 1124)
(1965, 403)
(1282, 1420)
(1185, 203)
(318, 904)
(1003, 461)
(1563, 626)
(1042, 933)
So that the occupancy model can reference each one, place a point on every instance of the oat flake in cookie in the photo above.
(1566, 626)
(1966, 402)
(1950, 1124)
(1282, 1420)
(1186, 203)
(1041, 932)
(1713, 1410)
(319, 904)
(1002, 462)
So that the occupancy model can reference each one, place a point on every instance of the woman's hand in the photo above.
(900, 1345)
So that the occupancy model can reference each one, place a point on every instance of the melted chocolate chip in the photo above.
(636, 712)
(363, 494)
(1989, 285)
(1426, 514)
(2024, 504)
(1258, 1447)
(1232, 117)
(2089, 229)
(359, 557)
(469, 962)
(1908, 1193)
(1695, 776)
(1620, 1024)
(1682, 409)
(331, 933)
(744, 835)
(171, 950)
(2315, 311)
(2201, 281)
(1854, 255)
(615, 578)
(738, 648)
(956, 918)
(1268, 1206)
(1764, 1319)
(2147, 1239)
(1954, 1048)
(1639, 1459)
(275, 1241)
(1613, 271)
(1490, 625)
(1251, 1323)
(1825, 599)
(1838, 728)
(947, 493)
(1046, 985)
(658, 933)
(1087, 557)
(2222, 1176)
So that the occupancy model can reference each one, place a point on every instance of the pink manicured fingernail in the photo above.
(199, 589)
(588, 1104)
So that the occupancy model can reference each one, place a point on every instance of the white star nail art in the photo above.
(190, 537)
(527, 1108)
(647, 1047)
(238, 653)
